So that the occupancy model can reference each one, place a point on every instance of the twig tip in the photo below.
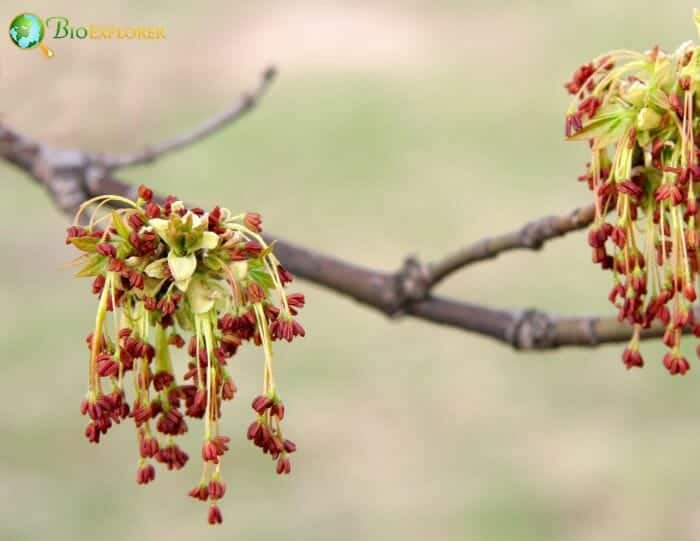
(270, 73)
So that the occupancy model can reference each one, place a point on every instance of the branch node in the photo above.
(531, 237)
(413, 283)
(532, 329)
(63, 173)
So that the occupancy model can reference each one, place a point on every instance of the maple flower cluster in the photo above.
(174, 277)
(638, 113)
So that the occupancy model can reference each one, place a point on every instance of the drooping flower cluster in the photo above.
(639, 114)
(174, 277)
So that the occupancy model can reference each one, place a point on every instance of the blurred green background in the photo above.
(395, 128)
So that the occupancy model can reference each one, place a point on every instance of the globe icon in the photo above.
(26, 31)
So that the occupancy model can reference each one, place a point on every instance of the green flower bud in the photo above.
(648, 119)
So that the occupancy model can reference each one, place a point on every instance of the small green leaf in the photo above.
(124, 249)
(607, 120)
(261, 278)
(85, 244)
(122, 229)
(96, 265)
(255, 263)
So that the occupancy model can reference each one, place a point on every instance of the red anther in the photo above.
(277, 410)
(657, 146)
(676, 104)
(254, 430)
(161, 380)
(98, 283)
(107, 249)
(200, 492)
(210, 452)
(596, 239)
(141, 413)
(192, 347)
(253, 221)
(136, 280)
(261, 404)
(214, 515)
(253, 248)
(630, 188)
(255, 293)
(589, 106)
(676, 195)
(135, 221)
(670, 337)
(297, 329)
(145, 474)
(107, 366)
(662, 192)
(220, 355)
(148, 447)
(172, 456)
(580, 78)
(74, 232)
(283, 466)
(689, 292)
(176, 340)
(229, 389)
(632, 358)
(145, 193)
(221, 444)
(681, 319)
(676, 365)
(153, 210)
(619, 236)
(285, 276)
(92, 433)
(289, 446)
(576, 122)
(216, 489)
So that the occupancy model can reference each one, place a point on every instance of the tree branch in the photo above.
(73, 176)
(531, 236)
(246, 103)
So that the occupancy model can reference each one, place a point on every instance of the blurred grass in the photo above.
(406, 430)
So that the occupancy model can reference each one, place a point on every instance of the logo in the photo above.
(27, 31)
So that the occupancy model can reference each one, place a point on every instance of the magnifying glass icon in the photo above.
(27, 32)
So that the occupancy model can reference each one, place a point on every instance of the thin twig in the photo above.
(245, 104)
(531, 236)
